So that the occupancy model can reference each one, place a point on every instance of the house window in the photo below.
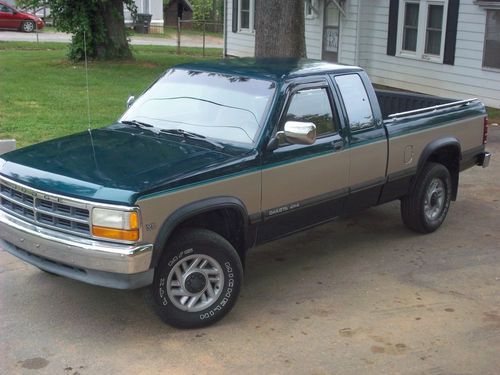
(421, 29)
(491, 57)
(311, 7)
(410, 28)
(434, 30)
(246, 15)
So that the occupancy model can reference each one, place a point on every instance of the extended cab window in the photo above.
(356, 102)
(312, 105)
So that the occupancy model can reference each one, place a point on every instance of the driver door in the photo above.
(303, 185)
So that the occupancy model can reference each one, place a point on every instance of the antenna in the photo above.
(89, 129)
(87, 77)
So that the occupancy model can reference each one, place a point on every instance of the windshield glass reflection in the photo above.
(215, 105)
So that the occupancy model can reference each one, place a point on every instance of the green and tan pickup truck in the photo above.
(215, 158)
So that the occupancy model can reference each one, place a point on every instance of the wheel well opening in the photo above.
(449, 156)
(227, 222)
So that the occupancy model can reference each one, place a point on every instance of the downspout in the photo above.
(358, 30)
(224, 49)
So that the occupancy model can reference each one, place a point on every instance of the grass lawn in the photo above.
(43, 95)
(494, 115)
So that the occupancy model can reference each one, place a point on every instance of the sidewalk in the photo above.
(186, 41)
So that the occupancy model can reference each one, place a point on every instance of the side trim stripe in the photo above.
(367, 185)
(395, 133)
(292, 161)
(306, 203)
(401, 174)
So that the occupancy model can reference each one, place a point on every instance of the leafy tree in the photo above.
(279, 28)
(201, 10)
(101, 21)
(207, 10)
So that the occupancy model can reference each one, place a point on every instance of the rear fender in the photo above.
(446, 151)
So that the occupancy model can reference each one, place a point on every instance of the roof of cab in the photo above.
(277, 69)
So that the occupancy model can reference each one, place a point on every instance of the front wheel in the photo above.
(198, 279)
(425, 207)
(28, 26)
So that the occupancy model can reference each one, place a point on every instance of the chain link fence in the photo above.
(185, 34)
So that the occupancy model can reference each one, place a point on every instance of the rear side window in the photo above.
(312, 105)
(356, 102)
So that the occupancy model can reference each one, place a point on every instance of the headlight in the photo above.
(115, 224)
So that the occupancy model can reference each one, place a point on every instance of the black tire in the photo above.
(421, 214)
(28, 26)
(188, 246)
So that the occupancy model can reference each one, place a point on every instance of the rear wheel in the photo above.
(28, 26)
(426, 207)
(198, 279)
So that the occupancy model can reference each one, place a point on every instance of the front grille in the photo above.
(66, 217)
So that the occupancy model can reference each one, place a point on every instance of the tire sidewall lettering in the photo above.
(179, 256)
(226, 296)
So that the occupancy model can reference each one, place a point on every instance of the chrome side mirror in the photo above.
(302, 133)
(130, 101)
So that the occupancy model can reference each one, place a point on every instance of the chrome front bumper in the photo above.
(58, 252)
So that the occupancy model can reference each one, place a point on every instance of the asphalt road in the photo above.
(361, 295)
(43, 36)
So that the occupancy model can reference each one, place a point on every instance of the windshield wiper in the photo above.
(184, 133)
(136, 123)
(191, 135)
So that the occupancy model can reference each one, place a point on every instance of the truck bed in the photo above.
(399, 101)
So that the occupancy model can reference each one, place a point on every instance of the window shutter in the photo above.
(392, 31)
(235, 16)
(451, 32)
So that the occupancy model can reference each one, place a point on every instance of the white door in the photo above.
(331, 32)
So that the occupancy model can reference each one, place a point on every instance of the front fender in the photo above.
(189, 211)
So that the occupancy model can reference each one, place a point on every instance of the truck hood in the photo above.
(114, 164)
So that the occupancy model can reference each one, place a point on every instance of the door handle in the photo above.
(338, 144)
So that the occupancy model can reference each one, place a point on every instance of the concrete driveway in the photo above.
(43, 36)
(361, 295)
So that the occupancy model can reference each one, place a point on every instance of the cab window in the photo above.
(356, 102)
(312, 105)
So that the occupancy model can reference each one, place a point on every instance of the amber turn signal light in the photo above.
(116, 234)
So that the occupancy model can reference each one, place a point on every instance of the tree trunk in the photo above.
(279, 28)
(115, 43)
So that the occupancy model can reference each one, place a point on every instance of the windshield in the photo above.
(215, 105)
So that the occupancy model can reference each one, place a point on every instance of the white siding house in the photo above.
(441, 47)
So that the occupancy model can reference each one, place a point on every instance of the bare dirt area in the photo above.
(361, 295)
